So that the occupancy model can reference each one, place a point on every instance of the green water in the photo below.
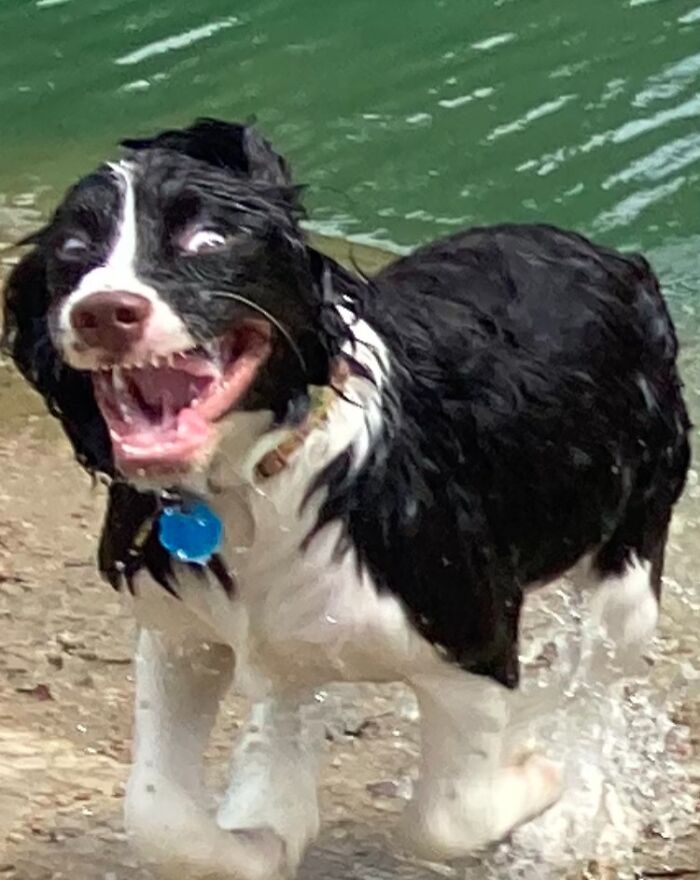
(406, 118)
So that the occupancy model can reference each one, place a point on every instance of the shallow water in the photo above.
(409, 120)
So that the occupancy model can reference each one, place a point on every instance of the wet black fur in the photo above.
(532, 414)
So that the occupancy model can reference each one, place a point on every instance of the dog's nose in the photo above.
(112, 320)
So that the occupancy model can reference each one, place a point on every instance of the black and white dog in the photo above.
(394, 462)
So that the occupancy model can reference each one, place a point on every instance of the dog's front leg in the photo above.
(168, 814)
(274, 775)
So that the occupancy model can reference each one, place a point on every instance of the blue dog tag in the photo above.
(192, 533)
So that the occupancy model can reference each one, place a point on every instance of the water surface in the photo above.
(406, 119)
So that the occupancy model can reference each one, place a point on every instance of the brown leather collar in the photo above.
(322, 399)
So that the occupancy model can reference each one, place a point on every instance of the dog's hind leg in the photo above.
(627, 570)
(624, 605)
(624, 610)
(168, 814)
(472, 790)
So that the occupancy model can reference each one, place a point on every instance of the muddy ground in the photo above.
(66, 689)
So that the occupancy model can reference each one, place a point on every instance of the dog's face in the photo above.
(179, 283)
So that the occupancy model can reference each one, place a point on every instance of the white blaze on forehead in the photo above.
(123, 255)
(118, 271)
(165, 331)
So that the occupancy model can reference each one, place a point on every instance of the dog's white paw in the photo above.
(265, 854)
(177, 837)
(459, 816)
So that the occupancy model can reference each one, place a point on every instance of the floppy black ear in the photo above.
(231, 145)
(67, 392)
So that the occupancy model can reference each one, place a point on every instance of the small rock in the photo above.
(40, 692)
(385, 788)
(390, 788)
(55, 660)
(68, 641)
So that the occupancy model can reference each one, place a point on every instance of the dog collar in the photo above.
(322, 399)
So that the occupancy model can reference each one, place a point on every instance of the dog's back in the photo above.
(535, 416)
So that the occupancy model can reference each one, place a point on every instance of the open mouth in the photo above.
(161, 415)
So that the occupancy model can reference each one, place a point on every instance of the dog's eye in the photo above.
(200, 241)
(72, 248)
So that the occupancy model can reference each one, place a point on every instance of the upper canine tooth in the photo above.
(118, 379)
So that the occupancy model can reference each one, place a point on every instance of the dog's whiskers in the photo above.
(281, 329)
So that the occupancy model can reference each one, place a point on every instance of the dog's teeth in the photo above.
(170, 359)
(118, 379)
(213, 350)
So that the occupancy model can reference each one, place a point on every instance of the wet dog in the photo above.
(324, 477)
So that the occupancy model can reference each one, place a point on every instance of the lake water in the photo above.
(407, 120)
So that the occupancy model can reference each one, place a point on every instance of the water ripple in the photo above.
(493, 42)
(690, 17)
(631, 207)
(662, 162)
(461, 100)
(179, 41)
(549, 162)
(535, 113)
(671, 81)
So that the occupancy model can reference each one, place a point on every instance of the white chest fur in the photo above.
(302, 614)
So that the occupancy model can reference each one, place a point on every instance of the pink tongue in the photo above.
(191, 430)
(158, 384)
(190, 423)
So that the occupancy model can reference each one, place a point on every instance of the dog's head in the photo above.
(169, 290)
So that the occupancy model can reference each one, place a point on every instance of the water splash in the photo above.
(622, 753)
